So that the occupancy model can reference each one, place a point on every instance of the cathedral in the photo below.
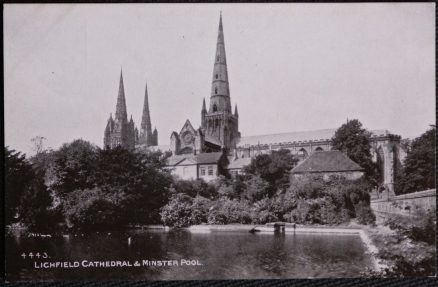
(121, 132)
(217, 147)
(228, 152)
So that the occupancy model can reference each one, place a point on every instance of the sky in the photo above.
(291, 67)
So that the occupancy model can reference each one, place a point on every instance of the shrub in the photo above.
(227, 211)
(420, 227)
(99, 214)
(178, 212)
(364, 214)
(199, 210)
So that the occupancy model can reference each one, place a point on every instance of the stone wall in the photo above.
(406, 204)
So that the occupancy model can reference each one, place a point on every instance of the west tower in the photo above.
(119, 131)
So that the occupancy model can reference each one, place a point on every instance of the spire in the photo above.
(220, 85)
(235, 111)
(146, 127)
(204, 109)
(121, 113)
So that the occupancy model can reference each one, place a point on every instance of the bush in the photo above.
(178, 212)
(421, 227)
(92, 209)
(364, 214)
(264, 211)
(200, 208)
(227, 211)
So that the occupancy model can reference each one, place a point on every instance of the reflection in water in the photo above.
(223, 255)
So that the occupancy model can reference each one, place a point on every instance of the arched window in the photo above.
(217, 59)
(215, 90)
(214, 108)
(216, 76)
(303, 153)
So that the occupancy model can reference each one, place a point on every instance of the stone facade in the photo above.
(121, 132)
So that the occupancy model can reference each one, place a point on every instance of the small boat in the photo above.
(254, 230)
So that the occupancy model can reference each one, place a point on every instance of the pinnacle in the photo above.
(203, 105)
(220, 22)
(121, 113)
(146, 118)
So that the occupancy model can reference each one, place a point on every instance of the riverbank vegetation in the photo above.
(406, 245)
(309, 200)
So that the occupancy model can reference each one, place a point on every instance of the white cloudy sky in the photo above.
(291, 67)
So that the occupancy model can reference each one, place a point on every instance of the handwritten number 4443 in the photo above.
(36, 255)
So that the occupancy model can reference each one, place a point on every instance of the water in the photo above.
(223, 255)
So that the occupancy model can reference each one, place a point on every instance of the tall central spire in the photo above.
(220, 86)
(121, 113)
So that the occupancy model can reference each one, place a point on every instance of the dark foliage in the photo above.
(354, 141)
(421, 227)
(419, 170)
(273, 168)
(74, 167)
(27, 199)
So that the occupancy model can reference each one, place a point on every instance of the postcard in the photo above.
(219, 141)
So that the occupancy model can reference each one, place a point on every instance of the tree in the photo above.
(419, 166)
(354, 141)
(35, 208)
(27, 199)
(274, 167)
(74, 167)
(140, 178)
(93, 210)
(38, 144)
(18, 179)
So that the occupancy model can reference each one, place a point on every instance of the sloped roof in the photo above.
(176, 159)
(162, 148)
(327, 161)
(212, 140)
(202, 158)
(314, 135)
(239, 163)
(210, 157)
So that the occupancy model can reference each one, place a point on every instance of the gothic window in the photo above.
(216, 76)
(303, 153)
(217, 59)
(215, 90)
(214, 106)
